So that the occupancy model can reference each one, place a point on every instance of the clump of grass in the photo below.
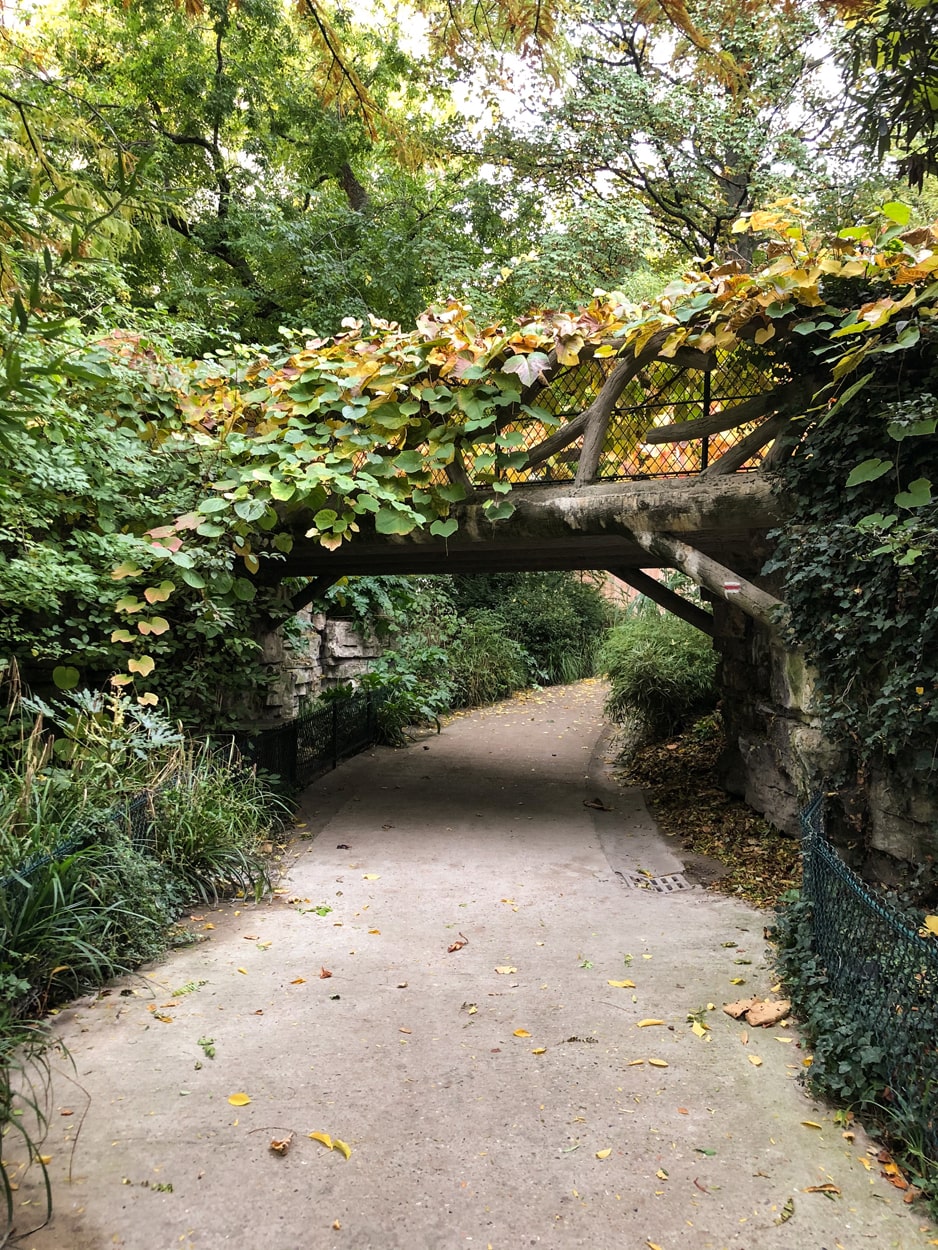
(210, 818)
(661, 670)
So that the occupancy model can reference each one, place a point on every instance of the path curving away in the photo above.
(500, 1095)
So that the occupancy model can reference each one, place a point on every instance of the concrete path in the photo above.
(500, 1095)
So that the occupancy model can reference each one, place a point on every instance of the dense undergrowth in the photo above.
(111, 823)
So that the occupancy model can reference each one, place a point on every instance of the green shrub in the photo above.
(558, 620)
(659, 668)
(485, 663)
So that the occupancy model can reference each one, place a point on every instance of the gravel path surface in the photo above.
(476, 1045)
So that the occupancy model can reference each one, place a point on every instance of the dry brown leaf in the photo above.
(506, 970)
(683, 1111)
(324, 973)
(827, 1188)
(763, 1015)
(459, 944)
(281, 1145)
(738, 1009)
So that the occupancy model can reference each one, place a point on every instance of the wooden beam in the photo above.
(601, 409)
(666, 598)
(727, 419)
(312, 590)
(746, 448)
(715, 577)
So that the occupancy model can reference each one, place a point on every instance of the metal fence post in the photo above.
(705, 405)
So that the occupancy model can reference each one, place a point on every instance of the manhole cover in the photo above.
(668, 883)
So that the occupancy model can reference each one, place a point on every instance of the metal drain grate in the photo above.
(669, 883)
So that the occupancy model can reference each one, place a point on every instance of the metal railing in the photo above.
(302, 749)
(881, 974)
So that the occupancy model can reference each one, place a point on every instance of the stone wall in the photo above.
(777, 756)
(321, 653)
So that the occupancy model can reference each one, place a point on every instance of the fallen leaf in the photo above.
(541, 1050)
(699, 1029)
(931, 924)
(208, 926)
(282, 1145)
(644, 1024)
(521, 1033)
(622, 985)
(66, 1111)
(343, 1148)
(755, 1061)
(604, 1154)
(865, 1161)
(766, 1014)
(250, 937)
(662, 1175)
(403, 1030)
(336, 1225)
(652, 1245)
(812, 1124)
(374, 931)
(744, 1037)
(322, 1137)
(263, 946)
(739, 1008)
(703, 1150)
(827, 1188)
(238, 1100)
(461, 941)
(372, 876)
(683, 1111)
(243, 971)
(164, 1019)
(658, 1063)
(597, 805)
(505, 970)
(324, 973)
(298, 981)
(634, 1063)
(787, 1211)
(737, 980)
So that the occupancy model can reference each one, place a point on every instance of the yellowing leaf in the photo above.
(505, 970)
(378, 931)
(604, 1154)
(622, 985)
(343, 1149)
(541, 1050)
(865, 1161)
(812, 1124)
(652, 1245)
(658, 1063)
(298, 981)
(372, 876)
(644, 1024)
(699, 1029)
(737, 980)
(324, 1138)
(635, 1063)
(522, 1033)
(755, 1061)
(931, 924)
(144, 665)
(243, 971)
(238, 1100)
